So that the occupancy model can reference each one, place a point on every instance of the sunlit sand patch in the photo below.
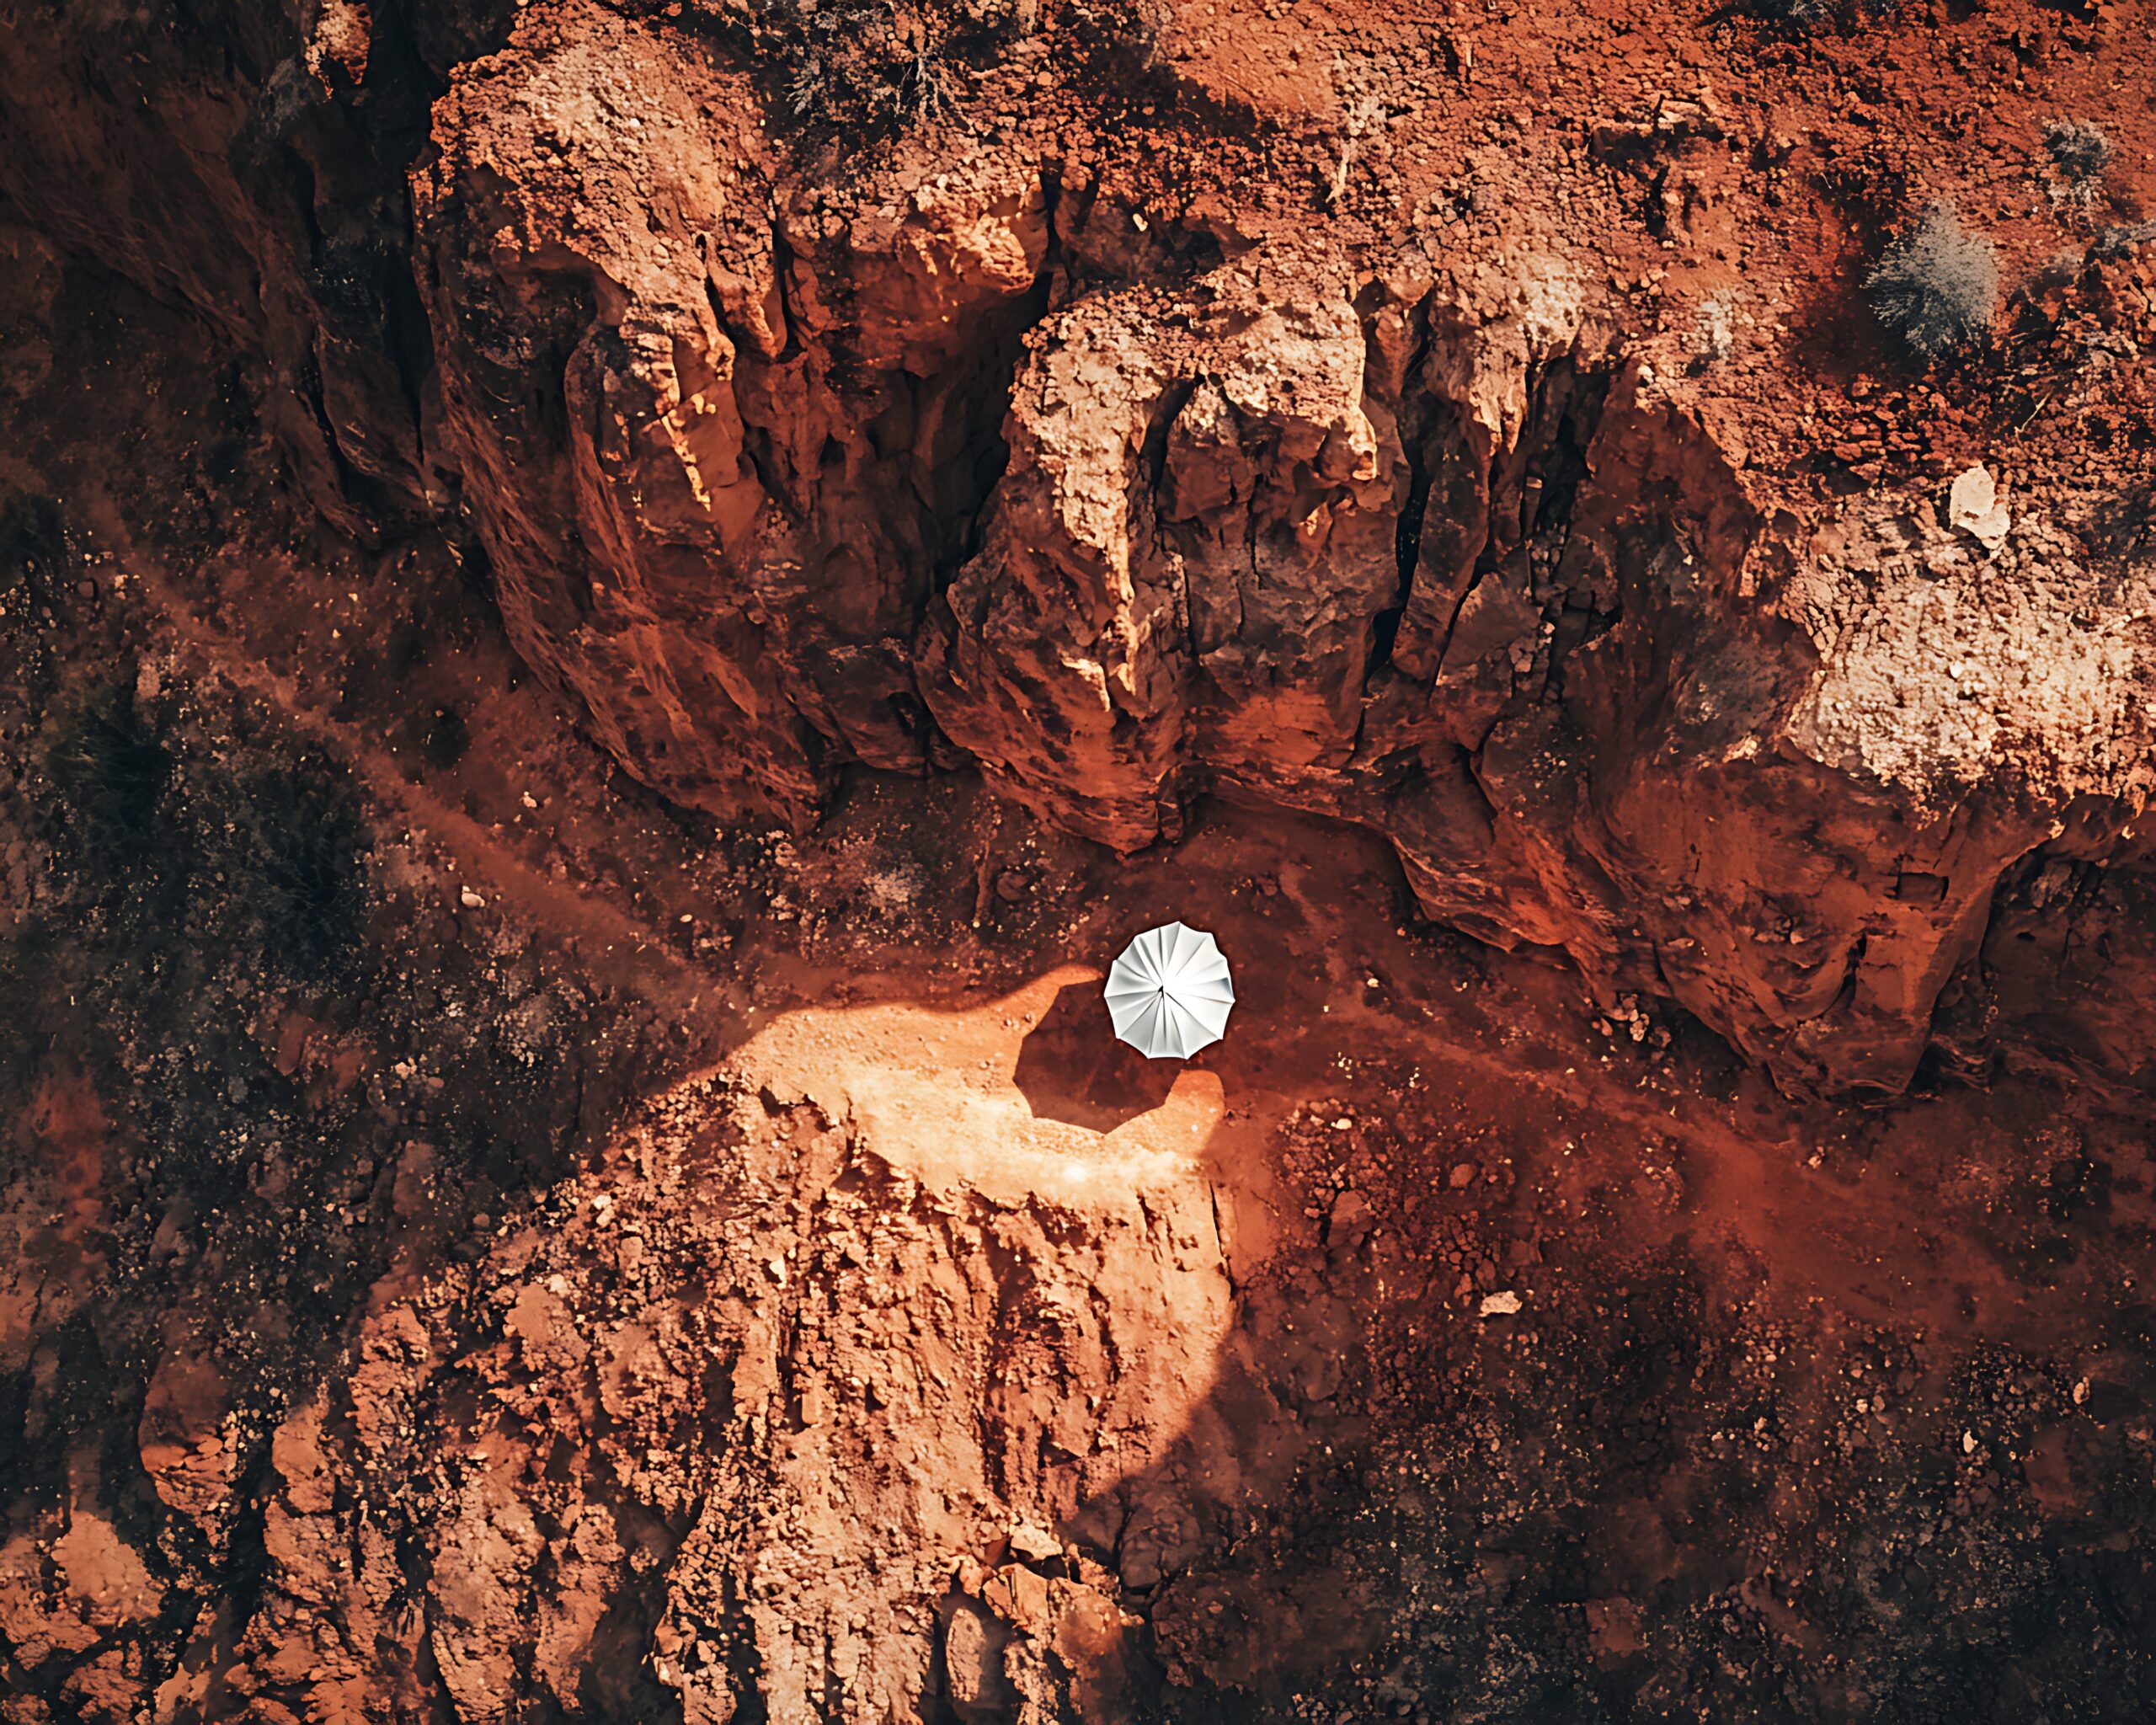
(934, 1091)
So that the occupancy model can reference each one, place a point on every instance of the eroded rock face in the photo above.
(972, 462)
(727, 1434)
(1626, 707)
(1987, 712)
(718, 447)
(1443, 550)
(247, 162)
(1199, 514)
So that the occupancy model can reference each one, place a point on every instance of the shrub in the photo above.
(864, 70)
(1803, 18)
(1798, 17)
(1936, 287)
(854, 75)
(872, 65)
(2079, 149)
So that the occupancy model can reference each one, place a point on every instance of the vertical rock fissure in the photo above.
(985, 451)
(1407, 541)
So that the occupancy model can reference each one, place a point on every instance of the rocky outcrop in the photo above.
(756, 1421)
(719, 446)
(1618, 703)
(1440, 549)
(1182, 566)
(247, 161)
(972, 461)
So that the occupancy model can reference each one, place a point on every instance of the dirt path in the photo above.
(618, 946)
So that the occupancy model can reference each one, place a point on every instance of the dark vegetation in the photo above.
(2079, 149)
(858, 73)
(304, 839)
(853, 75)
(1936, 287)
(34, 554)
(108, 771)
(1804, 18)
(298, 1066)
(1798, 17)
(261, 857)
(880, 66)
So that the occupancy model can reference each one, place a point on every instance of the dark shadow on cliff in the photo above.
(1071, 1067)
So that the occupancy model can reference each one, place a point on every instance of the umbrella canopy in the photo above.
(1169, 994)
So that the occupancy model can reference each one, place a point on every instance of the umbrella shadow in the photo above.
(1071, 1068)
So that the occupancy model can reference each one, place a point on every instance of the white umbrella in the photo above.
(1169, 994)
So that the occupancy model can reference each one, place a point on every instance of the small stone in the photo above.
(1972, 506)
(972, 1663)
(470, 899)
(1499, 1305)
(1352, 1215)
(1035, 1544)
